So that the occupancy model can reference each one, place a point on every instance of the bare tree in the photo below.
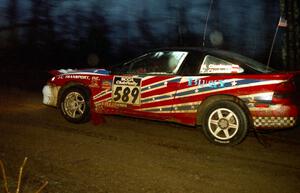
(97, 41)
(291, 49)
(148, 38)
(40, 36)
(12, 16)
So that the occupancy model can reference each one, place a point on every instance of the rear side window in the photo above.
(214, 65)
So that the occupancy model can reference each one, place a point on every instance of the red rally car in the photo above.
(225, 93)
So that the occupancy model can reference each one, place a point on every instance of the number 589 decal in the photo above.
(126, 90)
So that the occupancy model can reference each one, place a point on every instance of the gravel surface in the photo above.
(133, 155)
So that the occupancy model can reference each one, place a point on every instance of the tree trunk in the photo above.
(291, 49)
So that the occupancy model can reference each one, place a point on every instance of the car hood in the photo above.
(75, 71)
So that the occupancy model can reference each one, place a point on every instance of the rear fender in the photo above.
(211, 99)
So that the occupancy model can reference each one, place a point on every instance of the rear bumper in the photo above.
(275, 117)
(50, 94)
(274, 122)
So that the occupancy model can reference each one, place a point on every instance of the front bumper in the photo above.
(50, 94)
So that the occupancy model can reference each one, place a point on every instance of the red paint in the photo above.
(288, 107)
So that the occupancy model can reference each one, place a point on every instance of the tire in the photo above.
(75, 105)
(225, 123)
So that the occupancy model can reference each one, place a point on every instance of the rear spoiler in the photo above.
(294, 74)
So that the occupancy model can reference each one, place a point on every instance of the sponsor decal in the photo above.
(106, 84)
(113, 105)
(107, 104)
(94, 82)
(81, 77)
(205, 83)
(127, 90)
(129, 81)
(221, 68)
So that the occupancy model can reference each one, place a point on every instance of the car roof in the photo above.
(223, 54)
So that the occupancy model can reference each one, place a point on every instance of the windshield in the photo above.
(161, 62)
(124, 67)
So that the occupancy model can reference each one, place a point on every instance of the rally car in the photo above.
(223, 92)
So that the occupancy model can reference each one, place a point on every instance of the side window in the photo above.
(191, 64)
(214, 65)
(158, 63)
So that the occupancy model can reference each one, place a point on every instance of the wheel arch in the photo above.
(73, 84)
(211, 99)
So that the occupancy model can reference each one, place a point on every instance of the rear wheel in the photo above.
(75, 105)
(225, 122)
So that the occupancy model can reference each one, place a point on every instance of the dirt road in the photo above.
(130, 155)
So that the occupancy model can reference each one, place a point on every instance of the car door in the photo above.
(148, 88)
(212, 75)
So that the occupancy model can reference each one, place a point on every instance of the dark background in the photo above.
(40, 35)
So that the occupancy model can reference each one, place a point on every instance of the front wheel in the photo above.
(225, 122)
(75, 105)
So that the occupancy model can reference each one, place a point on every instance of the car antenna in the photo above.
(206, 22)
(281, 23)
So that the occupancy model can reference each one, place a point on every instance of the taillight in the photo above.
(284, 93)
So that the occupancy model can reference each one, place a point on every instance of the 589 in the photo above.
(126, 94)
